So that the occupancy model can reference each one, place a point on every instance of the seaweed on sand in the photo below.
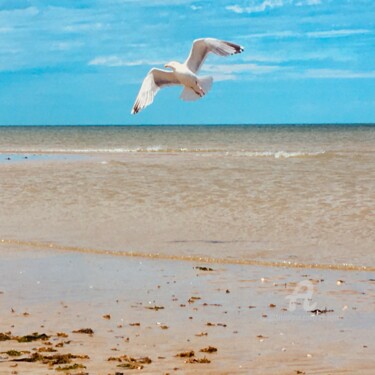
(188, 354)
(74, 366)
(130, 362)
(5, 336)
(33, 337)
(198, 360)
(87, 331)
(209, 349)
(55, 359)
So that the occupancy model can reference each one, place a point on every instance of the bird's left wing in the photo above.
(154, 81)
(202, 47)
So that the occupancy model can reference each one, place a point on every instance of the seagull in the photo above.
(184, 74)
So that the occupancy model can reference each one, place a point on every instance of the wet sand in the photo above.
(155, 309)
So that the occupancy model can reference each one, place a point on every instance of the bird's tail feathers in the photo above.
(206, 83)
(190, 95)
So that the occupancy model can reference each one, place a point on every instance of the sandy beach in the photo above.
(238, 250)
(145, 313)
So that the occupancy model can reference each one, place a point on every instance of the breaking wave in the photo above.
(160, 149)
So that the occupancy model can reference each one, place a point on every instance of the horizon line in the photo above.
(213, 124)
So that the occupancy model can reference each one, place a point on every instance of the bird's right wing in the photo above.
(154, 81)
(202, 47)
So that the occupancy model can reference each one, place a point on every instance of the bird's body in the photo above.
(184, 74)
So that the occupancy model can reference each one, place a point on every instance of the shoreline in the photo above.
(182, 258)
(158, 308)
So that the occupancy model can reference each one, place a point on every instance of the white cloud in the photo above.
(65, 46)
(309, 2)
(224, 77)
(6, 30)
(337, 33)
(310, 34)
(276, 34)
(266, 4)
(240, 68)
(231, 72)
(29, 11)
(302, 55)
(116, 61)
(336, 73)
(269, 4)
(84, 27)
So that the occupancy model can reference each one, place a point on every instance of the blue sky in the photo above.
(82, 61)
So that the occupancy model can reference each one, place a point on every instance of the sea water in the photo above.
(302, 194)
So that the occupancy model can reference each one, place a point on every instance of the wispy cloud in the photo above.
(240, 68)
(233, 72)
(261, 7)
(337, 33)
(336, 73)
(258, 7)
(82, 27)
(116, 61)
(309, 34)
(5, 30)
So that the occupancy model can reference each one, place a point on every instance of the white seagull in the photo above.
(184, 74)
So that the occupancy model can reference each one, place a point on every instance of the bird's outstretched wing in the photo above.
(202, 47)
(154, 81)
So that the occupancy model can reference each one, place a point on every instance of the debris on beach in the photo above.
(5, 336)
(209, 349)
(61, 334)
(51, 360)
(193, 299)
(107, 316)
(14, 353)
(87, 331)
(203, 268)
(33, 337)
(130, 362)
(187, 354)
(156, 308)
(137, 324)
(45, 349)
(209, 324)
(198, 360)
(200, 334)
(74, 366)
(318, 311)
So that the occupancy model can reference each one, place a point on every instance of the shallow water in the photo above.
(301, 194)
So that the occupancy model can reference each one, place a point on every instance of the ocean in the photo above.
(298, 194)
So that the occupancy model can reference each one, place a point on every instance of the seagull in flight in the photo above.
(185, 74)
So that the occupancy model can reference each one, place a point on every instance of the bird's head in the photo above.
(172, 65)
